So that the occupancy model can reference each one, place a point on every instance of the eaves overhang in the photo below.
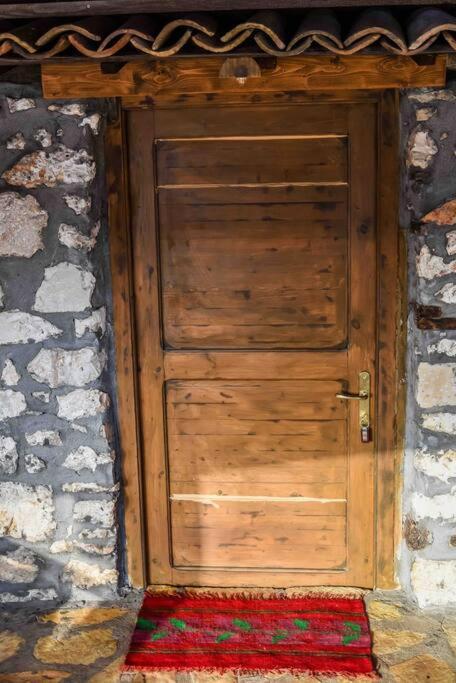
(101, 30)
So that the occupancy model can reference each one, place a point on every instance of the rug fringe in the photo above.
(262, 594)
(345, 676)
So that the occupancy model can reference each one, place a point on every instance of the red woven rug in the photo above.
(203, 632)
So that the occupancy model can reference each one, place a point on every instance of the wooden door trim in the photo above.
(150, 355)
(124, 342)
(129, 265)
(391, 333)
(363, 240)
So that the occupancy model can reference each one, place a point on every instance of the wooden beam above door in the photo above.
(187, 76)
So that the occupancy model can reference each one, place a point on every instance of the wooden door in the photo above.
(255, 285)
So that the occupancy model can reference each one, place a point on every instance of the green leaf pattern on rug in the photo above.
(178, 623)
(279, 635)
(224, 636)
(242, 624)
(146, 624)
(352, 633)
(302, 624)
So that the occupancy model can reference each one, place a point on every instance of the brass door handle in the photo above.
(353, 397)
(364, 405)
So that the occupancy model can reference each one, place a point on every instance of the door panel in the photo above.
(254, 268)
(260, 258)
(258, 535)
(232, 161)
(233, 121)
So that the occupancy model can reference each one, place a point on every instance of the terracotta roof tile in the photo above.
(372, 30)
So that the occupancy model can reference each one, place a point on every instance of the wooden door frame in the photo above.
(390, 332)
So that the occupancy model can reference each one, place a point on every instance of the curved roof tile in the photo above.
(276, 33)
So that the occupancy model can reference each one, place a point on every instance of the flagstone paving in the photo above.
(87, 644)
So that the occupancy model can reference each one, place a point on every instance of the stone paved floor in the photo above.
(87, 645)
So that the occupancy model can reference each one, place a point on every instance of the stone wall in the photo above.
(428, 562)
(58, 473)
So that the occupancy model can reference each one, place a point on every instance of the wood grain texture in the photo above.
(318, 493)
(293, 400)
(230, 100)
(259, 267)
(258, 439)
(149, 348)
(204, 121)
(362, 346)
(250, 159)
(183, 76)
(392, 286)
(252, 457)
(258, 535)
(275, 496)
(265, 364)
(124, 328)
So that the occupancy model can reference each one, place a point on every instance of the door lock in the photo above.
(363, 396)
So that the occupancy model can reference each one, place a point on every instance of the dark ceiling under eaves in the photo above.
(398, 29)
(62, 8)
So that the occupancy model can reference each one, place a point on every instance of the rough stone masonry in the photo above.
(58, 474)
(428, 214)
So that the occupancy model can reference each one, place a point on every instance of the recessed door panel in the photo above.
(251, 160)
(262, 267)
